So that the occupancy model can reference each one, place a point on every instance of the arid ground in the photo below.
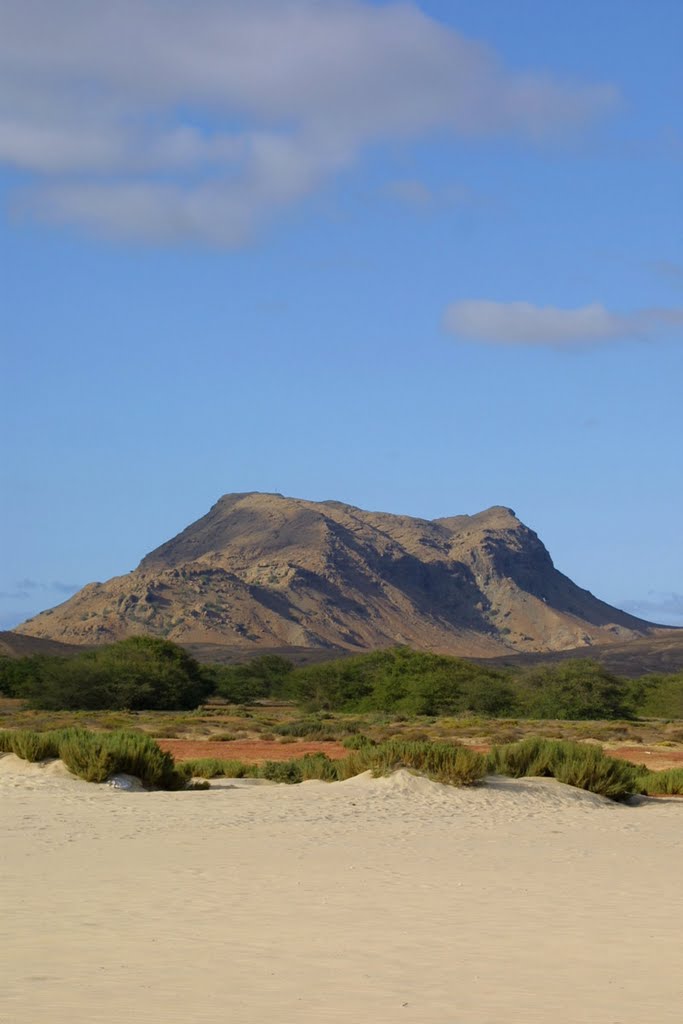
(383, 900)
(267, 750)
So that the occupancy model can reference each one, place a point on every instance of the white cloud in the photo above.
(158, 110)
(521, 323)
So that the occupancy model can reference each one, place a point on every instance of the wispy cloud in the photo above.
(27, 588)
(522, 323)
(197, 120)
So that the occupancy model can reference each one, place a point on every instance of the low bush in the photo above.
(358, 741)
(665, 783)
(6, 741)
(530, 756)
(311, 766)
(139, 673)
(141, 756)
(443, 762)
(583, 765)
(35, 746)
(281, 771)
(595, 771)
(214, 767)
(308, 729)
(94, 756)
(87, 756)
(319, 766)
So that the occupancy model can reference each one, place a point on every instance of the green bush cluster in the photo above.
(358, 741)
(668, 782)
(150, 673)
(408, 682)
(94, 756)
(257, 679)
(35, 746)
(443, 762)
(584, 765)
(216, 767)
(136, 674)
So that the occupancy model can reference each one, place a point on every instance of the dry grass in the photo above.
(284, 723)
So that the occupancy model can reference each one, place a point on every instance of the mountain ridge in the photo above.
(266, 570)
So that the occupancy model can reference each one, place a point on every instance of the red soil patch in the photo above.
(653, 758)
(269, 750)
(249, 750)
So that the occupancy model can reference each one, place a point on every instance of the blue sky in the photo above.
(420, 257)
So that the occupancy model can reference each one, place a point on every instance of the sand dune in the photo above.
(379, 900)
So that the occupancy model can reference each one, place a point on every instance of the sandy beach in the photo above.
(379, 900)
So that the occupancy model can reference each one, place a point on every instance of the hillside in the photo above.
(262, 570)
(17, 645)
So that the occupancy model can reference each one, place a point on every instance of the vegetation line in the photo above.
(96, 756)
(148, 673)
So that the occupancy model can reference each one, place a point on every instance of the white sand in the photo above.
(376, 901)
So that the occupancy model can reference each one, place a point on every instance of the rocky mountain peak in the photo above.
(265, 569)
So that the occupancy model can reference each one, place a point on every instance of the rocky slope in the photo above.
(262, 569)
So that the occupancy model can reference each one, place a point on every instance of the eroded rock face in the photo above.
(265, 570)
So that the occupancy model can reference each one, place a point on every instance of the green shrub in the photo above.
(281, 771)
(318, 766)
(34, 746)
(530, 756)
(214, 767)
(659, 696)
(595, 771)
(583, 765)
(665, 783)
(443, 762)
(358, 741)
(95, 756)
(6, 741)
(88, 757)
(139, 673)
(574, 689)
(308, 729)
(141, 756)
(242, 684)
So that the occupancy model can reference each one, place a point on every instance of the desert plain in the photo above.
(382, 900)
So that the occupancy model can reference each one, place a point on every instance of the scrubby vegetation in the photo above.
(149, 673)
(95, 756)
(443, 762)
(584, 765)
(257, 679)
(668, 782)
(139, 673)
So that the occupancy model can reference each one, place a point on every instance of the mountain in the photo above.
(265, 570)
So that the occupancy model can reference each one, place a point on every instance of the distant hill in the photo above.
(264, 571)
(17, 645)
(638, 656)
